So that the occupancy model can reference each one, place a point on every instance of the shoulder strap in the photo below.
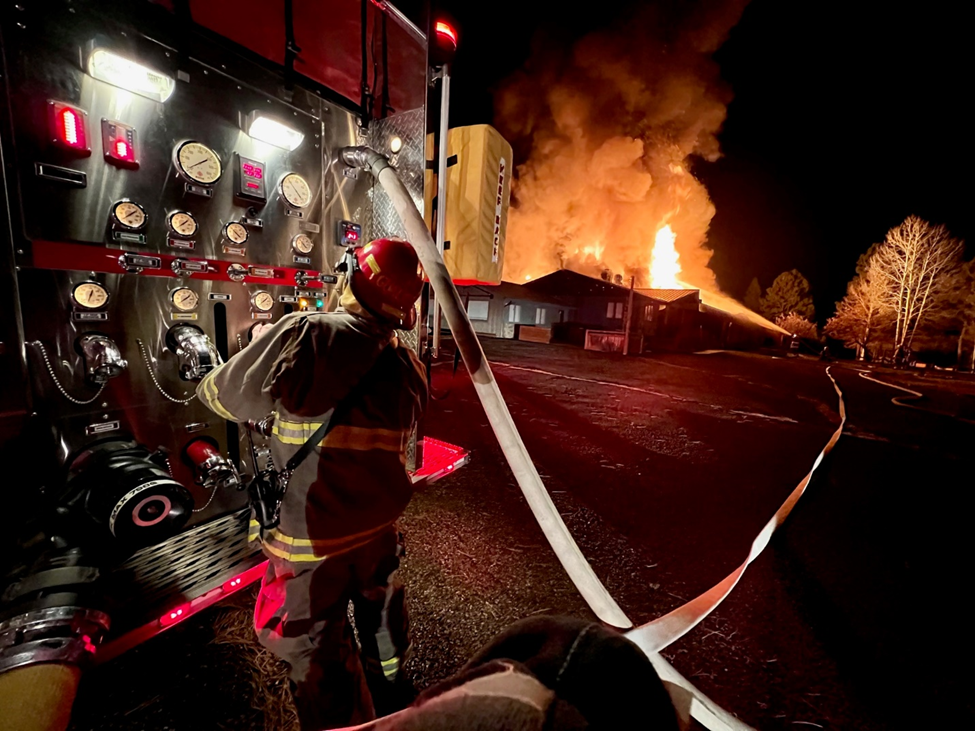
(328, 420)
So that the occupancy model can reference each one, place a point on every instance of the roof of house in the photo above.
(515, 292)
(670, 295)
(567, 283)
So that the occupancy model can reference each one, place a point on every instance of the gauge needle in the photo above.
(200, 162)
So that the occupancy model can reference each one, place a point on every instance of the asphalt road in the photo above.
(665, 468)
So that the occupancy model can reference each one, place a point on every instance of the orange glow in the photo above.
(664, 264)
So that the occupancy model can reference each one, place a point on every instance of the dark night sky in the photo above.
(847, 117)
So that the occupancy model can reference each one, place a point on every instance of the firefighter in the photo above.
(337, 540)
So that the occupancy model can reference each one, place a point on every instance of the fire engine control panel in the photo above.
(167, 207)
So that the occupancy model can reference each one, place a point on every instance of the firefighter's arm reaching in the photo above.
(240, 389)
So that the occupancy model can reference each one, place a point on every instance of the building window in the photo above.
(610, 309)
(514, 313)
(540, 316)
(648, 313)
(614, 310)
(478, 309)
(619, 310)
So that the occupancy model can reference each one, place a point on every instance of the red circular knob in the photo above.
(200, 450)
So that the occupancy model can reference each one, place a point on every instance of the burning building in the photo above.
(568, 307)
(608, 190)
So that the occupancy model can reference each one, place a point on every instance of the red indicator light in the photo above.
(255, 186)
(69, 127)
(175, 615)
(352, 236)
(444, 30)
(234, 584)
(119, 143)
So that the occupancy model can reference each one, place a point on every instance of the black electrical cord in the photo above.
(291, 48)
(366, 99)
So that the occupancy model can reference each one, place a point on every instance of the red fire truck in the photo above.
(170, 181)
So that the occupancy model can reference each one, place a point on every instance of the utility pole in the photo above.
(629, 319)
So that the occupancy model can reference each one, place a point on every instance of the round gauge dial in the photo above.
(129, 215)
(236, 233)
(184, 299)
(90, 295)
(262, 301)
(183, 224)
(237, 272)
(302, 244)
(295, 190)
(199, 163)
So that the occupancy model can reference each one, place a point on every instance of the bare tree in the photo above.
(862, 313)
(916, 263)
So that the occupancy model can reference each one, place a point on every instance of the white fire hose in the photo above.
(574, 563)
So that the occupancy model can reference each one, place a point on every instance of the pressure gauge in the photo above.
(198, 163)
(90, 296)
(236, 233)
(302, 243)
(295, 190)
(183, 224)
(184, 299)
(262, 301)
(129, 215)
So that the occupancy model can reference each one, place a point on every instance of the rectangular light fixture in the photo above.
(270, 130)
(129, 75)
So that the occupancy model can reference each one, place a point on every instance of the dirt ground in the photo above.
(664, 468)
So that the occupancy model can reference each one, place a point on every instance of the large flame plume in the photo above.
(610, 129)
(664, 261)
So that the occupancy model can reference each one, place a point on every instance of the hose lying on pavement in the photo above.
(568, 553)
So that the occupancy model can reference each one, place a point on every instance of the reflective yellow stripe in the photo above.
(213, 401)
(326, 542)
(391, 667)
(253, 531)
(371, 261)
(293, 432)
(303, 549)
(293, 557)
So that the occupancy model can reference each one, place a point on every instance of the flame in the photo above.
(664, 265)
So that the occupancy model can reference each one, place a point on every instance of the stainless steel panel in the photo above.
(215, 90)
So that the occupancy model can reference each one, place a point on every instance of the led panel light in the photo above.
(129, 75)
(270, 130)
(69, 127)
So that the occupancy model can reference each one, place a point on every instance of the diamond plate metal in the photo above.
(382, 219)
(187, 565)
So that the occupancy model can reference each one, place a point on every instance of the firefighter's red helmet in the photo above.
(387, 280)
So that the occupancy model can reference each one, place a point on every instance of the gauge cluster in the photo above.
(156, 235)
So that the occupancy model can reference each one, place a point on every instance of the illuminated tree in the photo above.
(798, 325)
(862, 314)
(753, 296)
(788, 294)
(917, 264)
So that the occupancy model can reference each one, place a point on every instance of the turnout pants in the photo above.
(302, 616)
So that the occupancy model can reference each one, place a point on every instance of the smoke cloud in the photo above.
(614, 124)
